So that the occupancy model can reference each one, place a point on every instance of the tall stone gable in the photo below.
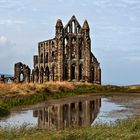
(68, 56)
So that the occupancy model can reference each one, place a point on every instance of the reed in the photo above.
(125, 130)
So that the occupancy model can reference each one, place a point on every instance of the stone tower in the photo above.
(68, 56)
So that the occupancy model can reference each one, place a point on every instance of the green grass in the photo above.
(4, 112)
(124, 130)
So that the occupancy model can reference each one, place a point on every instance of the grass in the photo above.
(4, 112)
(125, 130)
(13, 95)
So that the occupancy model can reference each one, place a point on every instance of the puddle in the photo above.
(73, 112)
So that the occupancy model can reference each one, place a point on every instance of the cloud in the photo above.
(8, 4)
(11, 21)
(3, 40)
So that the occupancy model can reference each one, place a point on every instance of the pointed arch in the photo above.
(46, 58)
(41, 75)
(47, 73)
(73, 27)
(80, 71)
(66, 72)
(72, 71)
(21, 76)
(66, 47)
(41, 58)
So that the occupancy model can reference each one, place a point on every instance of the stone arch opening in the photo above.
(66, 47)
(46, 58)
(47, 73)
(41, 58)
(66, 72)
(68, 29)
(41, 75)
(77, 29)
(22, 73)
(80, 106)
(21, 77)
(80, 71)
(73, 72)
(73, 27)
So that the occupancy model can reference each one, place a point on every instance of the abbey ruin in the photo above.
(66, 57)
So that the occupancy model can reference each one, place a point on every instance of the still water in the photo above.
(71, 112)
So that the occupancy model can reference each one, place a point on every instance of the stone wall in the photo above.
(21, 73)
(66, 57)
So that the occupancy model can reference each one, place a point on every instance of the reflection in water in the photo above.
(68, 112)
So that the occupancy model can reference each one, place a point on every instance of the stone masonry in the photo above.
(68, 56)
(22, 73)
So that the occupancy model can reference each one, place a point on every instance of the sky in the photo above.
(114, 29)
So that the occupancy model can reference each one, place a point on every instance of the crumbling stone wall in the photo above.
(21, 73)
(68, 56)
(2, 79)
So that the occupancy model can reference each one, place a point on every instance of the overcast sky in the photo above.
(114, 25)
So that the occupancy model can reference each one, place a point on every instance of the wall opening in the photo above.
(46, 58)
(41, 58)
(41, 75)
(80, 72)
(66, 73)
(68, 29)
(73, 27)
(47, 73)
(73, 72)
(21, 77)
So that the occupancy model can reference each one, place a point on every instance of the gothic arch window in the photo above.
(66, 72)
(80, 71)
(47, 73)
(46, 58)
(41, 58)
(72, 72)
(73, 27)
(52, 44)
(66, 46)
(80, 106)
(52, 53)
(68, 29)
(66, 42)
(41, 75)
(21, 77)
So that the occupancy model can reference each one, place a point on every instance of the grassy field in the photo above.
(125, 130)
(13, 95)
